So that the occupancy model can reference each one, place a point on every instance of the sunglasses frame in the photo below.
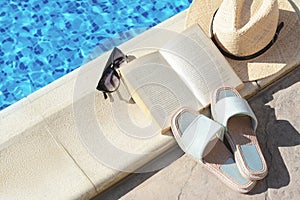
(110, 69)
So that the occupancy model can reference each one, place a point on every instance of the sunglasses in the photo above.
(110, 79)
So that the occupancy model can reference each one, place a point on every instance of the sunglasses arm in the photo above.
(105, 95)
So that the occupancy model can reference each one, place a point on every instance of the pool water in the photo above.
(42, 40)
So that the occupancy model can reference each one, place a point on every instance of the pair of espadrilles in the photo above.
(242, 163)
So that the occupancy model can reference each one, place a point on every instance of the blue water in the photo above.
(42, 40)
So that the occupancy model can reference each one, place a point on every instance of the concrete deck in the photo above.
(277, 109)
(42, 155)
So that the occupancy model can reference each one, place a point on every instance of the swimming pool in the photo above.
(42, 40)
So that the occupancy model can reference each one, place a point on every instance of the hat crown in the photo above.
(244, 27)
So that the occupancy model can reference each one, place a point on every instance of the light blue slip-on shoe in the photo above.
(231, 110)
(201, 138)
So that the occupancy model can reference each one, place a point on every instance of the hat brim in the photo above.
(281, 54)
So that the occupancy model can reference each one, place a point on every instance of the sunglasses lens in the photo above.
(109, 81)
(118, 56)
(115, 59)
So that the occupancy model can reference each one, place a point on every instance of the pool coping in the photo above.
(55, 101)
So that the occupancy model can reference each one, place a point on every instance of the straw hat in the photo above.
(246, 28)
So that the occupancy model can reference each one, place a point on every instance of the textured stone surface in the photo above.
(277, 109)
(278, 112)
(36, 167)
(18, 119)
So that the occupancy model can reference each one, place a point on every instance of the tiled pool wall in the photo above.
(42, 40)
